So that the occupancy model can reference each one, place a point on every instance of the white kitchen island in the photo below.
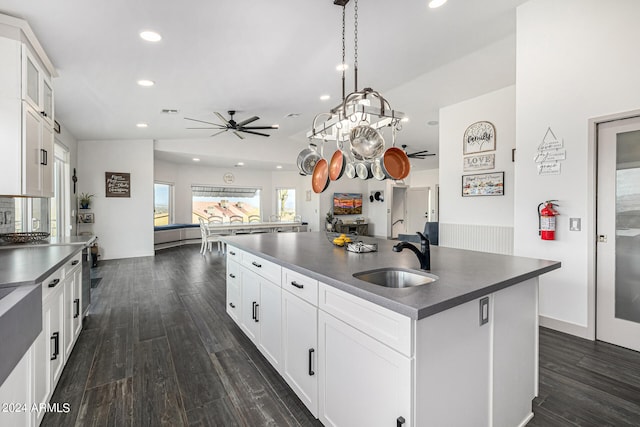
(461, 351)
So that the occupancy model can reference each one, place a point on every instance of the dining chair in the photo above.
(274, 218)
(207, 238)
(235, 219)
(215, 219)
(254, 218)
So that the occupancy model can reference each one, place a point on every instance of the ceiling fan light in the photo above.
(325, 97)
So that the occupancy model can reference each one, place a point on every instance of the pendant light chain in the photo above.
(355, 43)
(343, 52)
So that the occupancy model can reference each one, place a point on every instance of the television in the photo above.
(347, 203)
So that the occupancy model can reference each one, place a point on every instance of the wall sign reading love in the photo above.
(117, 184)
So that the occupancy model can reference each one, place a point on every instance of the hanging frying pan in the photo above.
(395, 163)
(337, 165)
(320, 178)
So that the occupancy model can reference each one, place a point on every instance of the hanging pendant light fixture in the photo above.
(356, 123)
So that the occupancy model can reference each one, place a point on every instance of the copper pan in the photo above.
(320, 178)
(337, 165)
(395, 163)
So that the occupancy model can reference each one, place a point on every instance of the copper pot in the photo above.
(395, 163)
(320, 178)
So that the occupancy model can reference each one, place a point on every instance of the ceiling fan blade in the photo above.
(221, 117)
(258, 127)
(254, 133)
(202, 121)
(206, 128)
(249, 120)
(218, 133)
(238, 134)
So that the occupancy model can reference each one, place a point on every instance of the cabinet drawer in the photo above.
(234, 253)
(266, 269)
(52, 283)
(73, 264)
(386, 326)
(233, 271)
(300, 285)
(233, 299)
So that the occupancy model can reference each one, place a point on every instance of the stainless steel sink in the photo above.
(396, 277)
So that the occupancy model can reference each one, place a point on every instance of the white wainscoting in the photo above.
(484, 238)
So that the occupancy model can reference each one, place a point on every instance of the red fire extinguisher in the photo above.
(547, 220)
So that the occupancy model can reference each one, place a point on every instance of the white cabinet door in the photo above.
(77, 302)
(362, 381)
(233, 289)
(250, 290)
(32, 154)
(300, 349)
(47, 163)
(47, 101)
(53, 317)
(31, 79)
(40, 380)
(72, 307)
(268, 314)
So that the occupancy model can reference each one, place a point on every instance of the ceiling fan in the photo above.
(418, 154)
(234, 126)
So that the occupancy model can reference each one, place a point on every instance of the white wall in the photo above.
(497, 107)
(576, 60)
(124, 226)
(429, 178)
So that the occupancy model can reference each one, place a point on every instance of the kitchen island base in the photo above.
(354, 362)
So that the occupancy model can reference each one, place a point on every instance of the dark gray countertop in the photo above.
(463, 275)
(31, 263)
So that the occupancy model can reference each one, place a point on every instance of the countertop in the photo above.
(31, 263)
(463, 275)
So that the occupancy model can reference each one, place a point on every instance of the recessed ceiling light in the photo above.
(150, 36)
(433, 123)
(436, 3)
(195, 159)
(239, 164)
(341, 67)
(405, 119)
(278, 167)
(142, 125)
(146, 83)
(325, 97)
(169, 111)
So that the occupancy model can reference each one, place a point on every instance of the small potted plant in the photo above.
(329, 221)
(85, 200)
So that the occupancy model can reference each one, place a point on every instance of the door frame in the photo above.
(592, 203)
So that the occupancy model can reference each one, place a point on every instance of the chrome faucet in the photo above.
(424, 255)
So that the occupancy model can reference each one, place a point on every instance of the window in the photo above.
(286, 203)
(61, 201)
(224, 202)
(162, 203)
(32, 214)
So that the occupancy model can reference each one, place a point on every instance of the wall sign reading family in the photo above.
(479, 137)
(483, 184)
(117, 184)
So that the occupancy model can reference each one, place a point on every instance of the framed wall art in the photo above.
(483, 184)
(479, 162)
(117, 184)
(479, 137)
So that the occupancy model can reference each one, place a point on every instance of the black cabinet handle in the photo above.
(43, 113)
(231, 253)
(400, 422)
(253, 310)
(297, 285)
(256, 264)
(232, 305)
(257, 312)
(76, 302)
(311, 373)
(233, 276)
(56, 345)
(75, 262)
(54, 282)
(42, 155)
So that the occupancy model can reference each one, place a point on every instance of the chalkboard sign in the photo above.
(117, 184)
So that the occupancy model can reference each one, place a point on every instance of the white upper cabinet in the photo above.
(26, 114)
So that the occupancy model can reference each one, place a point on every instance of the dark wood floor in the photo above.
(159, 349)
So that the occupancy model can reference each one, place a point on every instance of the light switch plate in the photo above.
(575, 224)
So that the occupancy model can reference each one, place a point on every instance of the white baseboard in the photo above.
(564, 326)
